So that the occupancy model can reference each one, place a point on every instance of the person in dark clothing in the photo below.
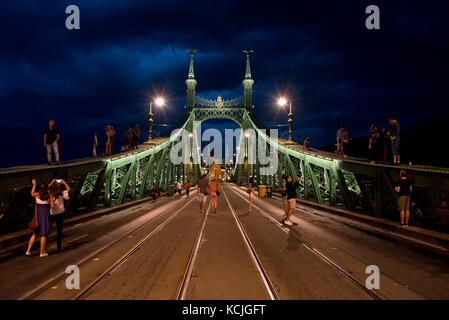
(57, 212)
(130, 138)
(136, 136)
(51, 137)
(404, 189)
(375, 144)
(290, 189)
(155, 193)
(395, 137)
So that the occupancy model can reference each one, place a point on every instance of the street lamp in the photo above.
(159, 102)
(282, 102)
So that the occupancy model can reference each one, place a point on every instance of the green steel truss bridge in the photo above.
(351, 183)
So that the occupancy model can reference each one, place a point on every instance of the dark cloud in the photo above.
(317, 52)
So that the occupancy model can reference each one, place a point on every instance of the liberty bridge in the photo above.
(129, 246)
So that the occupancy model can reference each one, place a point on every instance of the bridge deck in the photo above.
(153, 250)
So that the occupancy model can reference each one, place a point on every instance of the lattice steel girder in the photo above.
(343, 188)
(435, 178)
(19, 178)
(315, 183)
(149, 166)
(235, 114)
(125, 183)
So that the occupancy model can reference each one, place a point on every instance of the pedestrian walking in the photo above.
(250, 192)
(179, 188)
(201, 192)
(136, 136)
(51, 138)
(214, 193)
(395, 137)
(188, 186)
(284, 196)
(58, 210)
(43, 203)
(404, 189)
(291, 197)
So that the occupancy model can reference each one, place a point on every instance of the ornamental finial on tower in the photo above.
(248, 68)
(191, 83)
(191, 72)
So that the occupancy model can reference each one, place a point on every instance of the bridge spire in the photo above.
(248, 82)
(191, 82)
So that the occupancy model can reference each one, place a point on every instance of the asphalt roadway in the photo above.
(169, 250)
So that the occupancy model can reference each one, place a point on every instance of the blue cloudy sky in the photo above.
(319, 53)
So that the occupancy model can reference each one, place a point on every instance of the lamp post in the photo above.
(159, 102)
(282, 102)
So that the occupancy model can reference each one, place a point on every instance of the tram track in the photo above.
(124, 258)
(261, 270)
(44, 285)
(313, 250)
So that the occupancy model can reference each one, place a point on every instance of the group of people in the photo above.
(179, 187)
(379, 141)
(131, 138)
(206, 188)
(49, 208)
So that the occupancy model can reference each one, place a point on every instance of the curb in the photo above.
(20, 236)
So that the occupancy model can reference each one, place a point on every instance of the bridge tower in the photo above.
(191, 83)
(248, 83)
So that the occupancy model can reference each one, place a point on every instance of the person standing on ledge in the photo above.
(395, 137)
(136, 137)
(51, 138)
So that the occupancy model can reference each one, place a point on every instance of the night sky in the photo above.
(319, 53)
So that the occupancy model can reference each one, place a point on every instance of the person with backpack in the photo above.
(58, 210)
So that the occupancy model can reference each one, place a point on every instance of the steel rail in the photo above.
(132, 251)
(271, 290)
(316, 252)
